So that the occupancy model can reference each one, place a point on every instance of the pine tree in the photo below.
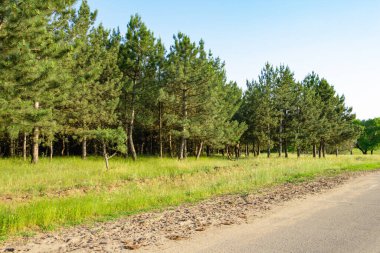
(311, 112)
(188, 83)
(85, 67)
(137, 63)
(30, 52)
(285, 98)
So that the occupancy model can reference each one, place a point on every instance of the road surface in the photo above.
(346, 219)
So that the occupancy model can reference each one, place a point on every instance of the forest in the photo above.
(71, 87)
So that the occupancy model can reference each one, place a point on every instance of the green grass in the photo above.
(71, 191)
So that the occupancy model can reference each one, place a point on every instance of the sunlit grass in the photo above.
(70, 191)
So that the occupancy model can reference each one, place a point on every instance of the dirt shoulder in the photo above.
(156, 228)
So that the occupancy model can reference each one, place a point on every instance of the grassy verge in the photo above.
(70, 191)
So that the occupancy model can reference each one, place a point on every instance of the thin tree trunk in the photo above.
(142, 148)
(63, 146)
(207, 151)
(298, 152)
(36, 135)
(199, 151)
(84, 148)
(314, 150)
(258, 149)
(95, 149)
(105, 155)
(280, 139)
(286, 148)
(12, 147)
(320, 149)
(24, 142)
(170, 146)
(130, 135)
(185, 150)
(132, 122)
(160, 130)
(51, 150)
(336, 152)
(324, 150)
(184, 117)
(372, 152)
(228, 152)
(268, 148)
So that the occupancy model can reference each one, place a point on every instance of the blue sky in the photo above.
(338, 39)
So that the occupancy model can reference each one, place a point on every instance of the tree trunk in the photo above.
(130, 135)
(207, 151)
(132, 122)
(298, 152)
(36, 135)
(185, 150)
(280, 140)
(95, 149)
(199, 151)
(170, 146)
(184, 117)
(51, 150)
(105, 155)
(84, 148)
(24, 142)
(336, 152)
(324, 150)
(258, 149)
(160, 131)
(286, 148)
(314, 150)
(320, 149)
(63, 146)
(228, 152)
(268, 148)
(372, 152)
(12, 147)
(142, 148)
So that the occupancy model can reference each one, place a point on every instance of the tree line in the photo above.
(68, 86)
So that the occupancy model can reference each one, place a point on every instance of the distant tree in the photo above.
(369, 140)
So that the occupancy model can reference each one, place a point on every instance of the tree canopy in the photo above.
(68, 86)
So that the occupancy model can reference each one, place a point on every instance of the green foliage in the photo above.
(284, 114)
(63, 80)
(369, 139)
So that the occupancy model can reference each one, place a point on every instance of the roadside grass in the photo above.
(70, 191)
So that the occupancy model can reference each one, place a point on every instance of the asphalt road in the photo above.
(346, 219)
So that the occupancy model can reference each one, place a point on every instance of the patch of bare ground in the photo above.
(154, 228)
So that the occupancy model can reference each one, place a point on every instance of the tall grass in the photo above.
(70, 191)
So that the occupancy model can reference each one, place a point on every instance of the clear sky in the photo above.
(338, 39)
